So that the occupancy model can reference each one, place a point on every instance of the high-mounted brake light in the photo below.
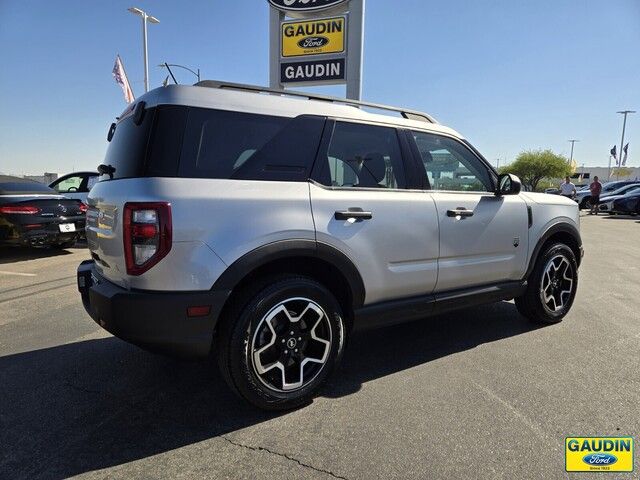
(147, 235)
(20, 210)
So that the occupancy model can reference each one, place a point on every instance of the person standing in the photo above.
(596, 189)
(567, 188)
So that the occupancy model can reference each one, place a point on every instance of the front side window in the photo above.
(449, 165)
(364, 156)
(68, 185)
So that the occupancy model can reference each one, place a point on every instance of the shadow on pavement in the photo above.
(101, 403)
(20, 254)
(621, 217)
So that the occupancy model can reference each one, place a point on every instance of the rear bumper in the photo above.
(156, 321)
(42, 233)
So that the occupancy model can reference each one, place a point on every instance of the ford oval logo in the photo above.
(304, 5)
(313, 42)
(599, 459)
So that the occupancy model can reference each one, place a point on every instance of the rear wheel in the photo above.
(280, 341)
(551, 286)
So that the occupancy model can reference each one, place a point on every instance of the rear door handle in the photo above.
(460, 212)
(358, 214)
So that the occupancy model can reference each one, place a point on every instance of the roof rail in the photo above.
(408, 114)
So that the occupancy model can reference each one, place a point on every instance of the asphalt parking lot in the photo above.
(480, 393)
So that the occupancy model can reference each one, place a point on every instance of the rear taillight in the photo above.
(20, 210)
(147, 235)
(83, 208)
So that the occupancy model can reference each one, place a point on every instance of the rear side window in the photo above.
(190, 142)
(364, 156)
(222, 144)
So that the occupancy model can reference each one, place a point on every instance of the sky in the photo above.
(509, 75)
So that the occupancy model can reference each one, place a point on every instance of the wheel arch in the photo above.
(560, 232)
(316, 260)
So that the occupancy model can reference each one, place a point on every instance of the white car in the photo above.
(264, 227)
(75, 185)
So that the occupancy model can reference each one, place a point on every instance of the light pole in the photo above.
(145, 18)
(167, 65)
(573, 141)
(624, 126)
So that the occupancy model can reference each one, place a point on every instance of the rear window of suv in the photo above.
(205, 143)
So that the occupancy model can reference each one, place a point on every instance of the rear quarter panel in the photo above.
(215, 222)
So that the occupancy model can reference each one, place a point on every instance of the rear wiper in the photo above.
(106, 170)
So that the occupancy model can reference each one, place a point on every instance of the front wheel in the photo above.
(280, 341)
(551, 286)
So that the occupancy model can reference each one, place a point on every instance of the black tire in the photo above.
(532, 304)
(250, 326)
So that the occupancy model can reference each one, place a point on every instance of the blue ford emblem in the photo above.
(599, 459)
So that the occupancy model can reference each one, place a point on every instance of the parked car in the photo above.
(32, 214)
(75, 185)
(606, 202)
(583, 197)
(265, 228)
(628, 204)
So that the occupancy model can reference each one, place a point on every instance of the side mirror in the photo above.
(508, 184)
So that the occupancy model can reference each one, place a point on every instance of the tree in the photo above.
(534, 165)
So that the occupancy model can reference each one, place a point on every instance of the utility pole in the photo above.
(624, 126)
(145, 18)
(572, 144)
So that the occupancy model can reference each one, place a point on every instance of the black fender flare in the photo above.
(283, 249)
(553, 230)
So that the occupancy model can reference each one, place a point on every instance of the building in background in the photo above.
(46, 177)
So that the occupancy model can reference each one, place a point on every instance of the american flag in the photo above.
(624, 159)
(121, 79)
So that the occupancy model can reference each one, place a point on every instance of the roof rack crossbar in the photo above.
(408, 114)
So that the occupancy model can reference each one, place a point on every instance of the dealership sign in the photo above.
(313, 37)
(332, 70)
(304, 5)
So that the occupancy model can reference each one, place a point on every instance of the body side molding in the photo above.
(283, 249)
(565, 228)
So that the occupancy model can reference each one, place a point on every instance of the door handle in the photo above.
(460, 212)
(358, 214)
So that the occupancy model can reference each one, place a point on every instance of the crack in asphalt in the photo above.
(283, 455)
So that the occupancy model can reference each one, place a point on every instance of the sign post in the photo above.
(316, 42)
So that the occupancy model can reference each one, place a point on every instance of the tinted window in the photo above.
(128, 147)
(365, 156)
(221, 144)
(449, 165)
(166, 141)
(11, 187)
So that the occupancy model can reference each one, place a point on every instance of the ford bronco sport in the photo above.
(264, 227)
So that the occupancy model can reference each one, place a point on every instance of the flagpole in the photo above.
(624, 126)
(609, 171)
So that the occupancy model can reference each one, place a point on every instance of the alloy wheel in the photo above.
(291, 344)
(557, 283)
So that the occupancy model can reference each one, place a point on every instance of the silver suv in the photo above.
(265, 227)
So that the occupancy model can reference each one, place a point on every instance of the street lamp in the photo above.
(167, 65)
(145, 18)
(573, 141)
(624, 126)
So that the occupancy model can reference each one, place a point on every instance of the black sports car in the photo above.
(628, 204)
(32, 214)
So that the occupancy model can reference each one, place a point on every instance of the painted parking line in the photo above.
(2, 272)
